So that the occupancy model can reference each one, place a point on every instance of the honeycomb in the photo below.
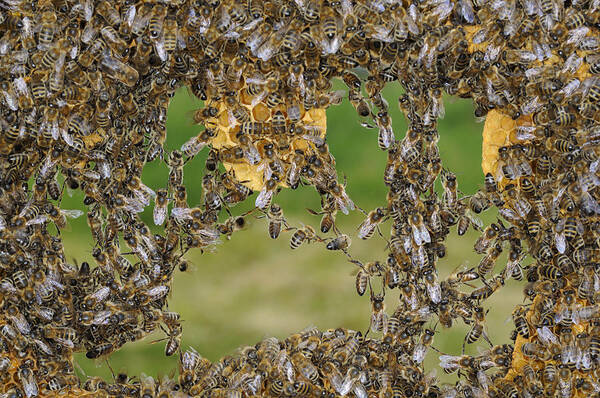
(85, 89)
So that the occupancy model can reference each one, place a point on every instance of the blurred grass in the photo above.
(252, 287)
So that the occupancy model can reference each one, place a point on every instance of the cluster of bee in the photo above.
(85, 89)
(336, 362)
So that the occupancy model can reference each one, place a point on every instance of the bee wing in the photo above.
(65, 342)
(386, 136)
(29, 383)
(435, 292)
(344, 203)
(157, 292)
(73, 213)
(476, 221)
(560, 242)
(101, 318)
(181, 213)
(210, 236)
(424, 233)
(546, 336)
(20, 323)
(160, 213)
(42, 218)
(264, 198)
(101, 294)
(449, 361)
(416, 235)
(419, 353)
(365, 228)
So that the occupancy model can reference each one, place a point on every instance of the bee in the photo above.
(378, 315)
(156, 21)
(329, 211)
(521, 324)
(478, 202)
(47, 26)
(147, 386)
(385, 137)
(108, 12)
(54, 56)
(28, 380)
(432, 285)
(488, 262)
(160, 206)
(120, 71)
(97, 297)
(484, 292)
(312, 11)
(114, 41)
(484, 241)
(59, 216)
(422, 347)
(18, 320)
(170, 34)
(189, 361)
(367, 228)
(329, 27)
(362, 280)
(175, 163)
(477, 330)
(564, 380)
(265, 196)
(101, 350)
(306, 234)
(342, 242)
(173, 341)
(62, 335)
(450, 189)
(460, 277)
(420, 233)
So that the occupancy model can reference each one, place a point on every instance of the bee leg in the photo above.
(225, 207)
(379, 232)
(361, 210)
(486, 338)
(110, 368)
(485, 282)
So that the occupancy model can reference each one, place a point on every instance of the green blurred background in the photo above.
(252, 287)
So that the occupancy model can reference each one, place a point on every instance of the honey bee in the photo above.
(385, 137)
(276, 220)
(488, 262)
(47, 26)
(486, 291)
(114, 41)
(329, 211)
(28, 380)
(342, 242)
(420, 233)
(170, 34)
(450, 189)
(160, 207)
(378, 315)
(306, 234)
(370, 224)
(265, 196)
(231, 225)
(422, 347)
(62, 335)
(120, 71)
(486, 238)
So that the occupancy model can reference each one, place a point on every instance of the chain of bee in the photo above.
(85, 90)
